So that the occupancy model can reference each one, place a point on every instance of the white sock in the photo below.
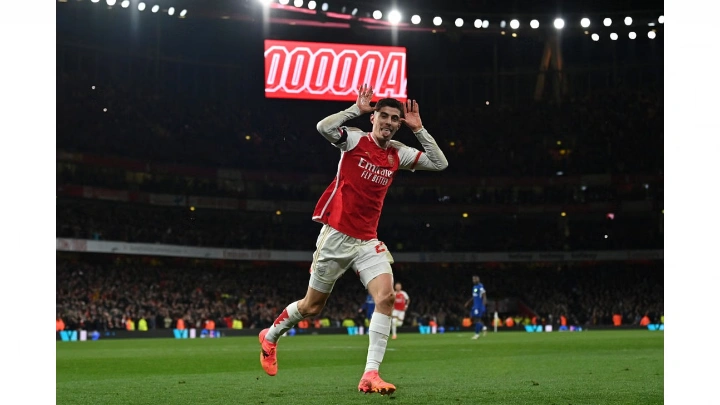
(394, 327)
(378, 331)
(289, 317)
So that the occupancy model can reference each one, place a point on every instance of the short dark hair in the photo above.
(390, 102)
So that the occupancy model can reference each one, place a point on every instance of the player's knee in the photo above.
(386, 299)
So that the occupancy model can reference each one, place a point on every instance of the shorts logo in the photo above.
(320, 270)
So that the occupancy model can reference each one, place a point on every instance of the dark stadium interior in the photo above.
(155, 111)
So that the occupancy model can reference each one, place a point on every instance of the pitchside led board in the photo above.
(325, 71)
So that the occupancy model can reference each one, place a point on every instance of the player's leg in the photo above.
(394, 323)
(476, 316)
(331, 259)
(373, 267)
(398, 319)
(329, 263)
(309, 306)
(381, 288)
(479, 325)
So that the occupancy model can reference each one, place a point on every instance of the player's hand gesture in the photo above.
(411, 109)
(365, 94)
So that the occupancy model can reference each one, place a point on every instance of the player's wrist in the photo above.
(417, 130)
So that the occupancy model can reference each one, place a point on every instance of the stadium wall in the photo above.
(82, 335)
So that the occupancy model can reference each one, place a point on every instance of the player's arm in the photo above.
(484, 299)
(331, 126)
(432, 158)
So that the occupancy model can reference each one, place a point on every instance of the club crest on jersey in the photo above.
(391, 160)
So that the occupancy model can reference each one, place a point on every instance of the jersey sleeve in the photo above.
(432, 158)
(342, 137)
(409, 156)
(349, 139)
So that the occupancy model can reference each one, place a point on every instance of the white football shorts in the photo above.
(336, 252)
(400, 315)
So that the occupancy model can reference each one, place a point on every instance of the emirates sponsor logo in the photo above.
(374, 173)
(323, 71)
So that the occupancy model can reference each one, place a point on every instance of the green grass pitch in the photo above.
(569, 368)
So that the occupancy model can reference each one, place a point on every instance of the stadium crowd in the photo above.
(96, 292)
(287, 187)
(532, 142)
(612, 132)
(615, 132)
(127, 222)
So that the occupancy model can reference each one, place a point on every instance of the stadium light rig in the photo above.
(394, 17)
(378, 18)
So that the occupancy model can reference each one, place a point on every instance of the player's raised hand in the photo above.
(411, 110)
(365, 94)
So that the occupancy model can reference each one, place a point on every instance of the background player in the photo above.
(478, 301)
(367, 308)
(402, 302)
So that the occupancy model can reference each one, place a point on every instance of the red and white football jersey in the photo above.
(401, 300)
(353, 202)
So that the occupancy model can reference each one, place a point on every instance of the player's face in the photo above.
(476, 280)
(398, 287)
(386, 122)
